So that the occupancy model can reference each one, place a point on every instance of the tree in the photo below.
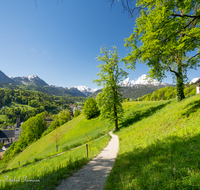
(90, 108)
(32, 129)
(109, 100)
(63, 117)
(77, 113)
(165, 32)
(55, 136)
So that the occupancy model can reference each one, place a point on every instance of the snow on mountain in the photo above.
(32, 79)
(85, 90)
(193, 80)
(144, 80)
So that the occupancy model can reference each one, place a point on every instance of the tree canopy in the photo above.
(109, 100)
(90, 108)
(165, 33)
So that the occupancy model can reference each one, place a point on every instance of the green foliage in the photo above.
(1, 145)
(77, 113)
(164, 33)
(167, 93)
(90, 108)
(58, 120)
(32, 130)
(109, 100)
(63, 117)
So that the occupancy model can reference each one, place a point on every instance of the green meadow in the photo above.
(159, 146)
(159, 149)
(74, 133)
(46, 174)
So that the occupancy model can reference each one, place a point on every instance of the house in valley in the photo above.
(10, 136)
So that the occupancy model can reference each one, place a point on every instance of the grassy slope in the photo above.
(159, 146)
(18, 105)
(75, 132)
(51, 171)
(15, 105)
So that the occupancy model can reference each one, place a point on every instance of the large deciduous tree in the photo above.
(109, 100)
(165, 33)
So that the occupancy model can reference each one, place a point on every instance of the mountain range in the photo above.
(130, 88)
(33, 82)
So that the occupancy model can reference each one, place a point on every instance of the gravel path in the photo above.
(93, 175)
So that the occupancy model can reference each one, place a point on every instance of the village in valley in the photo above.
(10, 134)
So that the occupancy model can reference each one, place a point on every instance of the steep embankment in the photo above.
(159, 146)
(51, 170)
(72, 134)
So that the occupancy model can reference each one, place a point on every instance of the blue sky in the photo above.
(59, 41)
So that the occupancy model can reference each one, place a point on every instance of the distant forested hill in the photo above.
(167, 93)
(24, 103)
(134, 91)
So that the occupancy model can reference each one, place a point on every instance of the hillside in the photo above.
(168, 92)
(134, 91)
(76, 132)
(24, 103)
(159, 148)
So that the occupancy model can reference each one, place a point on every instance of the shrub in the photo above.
(90, 108)
(77, 113)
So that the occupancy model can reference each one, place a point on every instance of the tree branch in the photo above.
(184, 15)
(192, 57)
(173, 71)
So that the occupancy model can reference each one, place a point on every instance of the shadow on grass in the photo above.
(191, 108)
(139, 115)
(170, 164)
(47, 181)
(64, 149)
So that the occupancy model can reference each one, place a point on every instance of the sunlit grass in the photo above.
(159, 146)
(75, 133)
(18, 105)
(49, 172)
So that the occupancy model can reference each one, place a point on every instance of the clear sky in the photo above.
(59, 40)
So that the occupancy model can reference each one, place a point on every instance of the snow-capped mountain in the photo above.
(193, 80)
(144, 80)
(85, 90)
(32, 79)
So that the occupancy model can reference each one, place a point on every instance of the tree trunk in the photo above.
(56, 147)
(116, 118)
(116, 125)
(180, 84)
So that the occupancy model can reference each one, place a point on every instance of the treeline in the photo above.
(38, 101)
(167, 93)
(34, 99)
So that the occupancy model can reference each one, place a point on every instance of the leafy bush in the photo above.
(58, 120)
(77, 113)
(63, 117)
(90, 108)
(167, 93)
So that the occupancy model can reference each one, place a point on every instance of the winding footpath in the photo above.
(93, 175)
